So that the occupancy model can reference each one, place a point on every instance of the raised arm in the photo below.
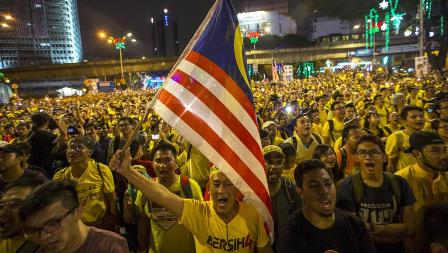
(149, 188)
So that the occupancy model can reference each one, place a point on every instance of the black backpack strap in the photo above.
(28, 247)
(190, 146)
(186, 187)
(331, 128)
(289, 188)
(393, 183)
(358, 189)
(317, 137)
(343, 158)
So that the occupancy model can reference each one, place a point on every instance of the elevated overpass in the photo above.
(330, 50)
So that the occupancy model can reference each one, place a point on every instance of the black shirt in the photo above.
(42, 145)
(347, 235)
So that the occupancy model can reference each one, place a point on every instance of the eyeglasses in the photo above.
(50, 227)
(372, 153)
(10, 204)
(75, 149)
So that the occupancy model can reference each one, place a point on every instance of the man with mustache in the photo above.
(428, 179)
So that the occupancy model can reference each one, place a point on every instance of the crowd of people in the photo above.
(355, 162)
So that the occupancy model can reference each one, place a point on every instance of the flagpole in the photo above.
(154, 99)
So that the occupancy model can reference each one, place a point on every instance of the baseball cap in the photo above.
(12, 148)
(272, 148)
(422, 138)
(268, 123)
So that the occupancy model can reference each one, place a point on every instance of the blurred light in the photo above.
(102, 35)
(134, 40)
(110, 41)
(129, 35)
(407, 33)
(8, 17)
(431, 34)
(356, 27)
(165, 11)
(267, 29)
(143, 57)
(152, 20)
(4, 25)
(288, 109)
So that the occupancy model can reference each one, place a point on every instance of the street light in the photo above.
(5, 25)
(8, 17)
(120, 43)
(356, 27)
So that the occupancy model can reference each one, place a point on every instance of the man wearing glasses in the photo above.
(94, 183)
(52, 217)
(11, 237)
(382, 200)
(428, 178)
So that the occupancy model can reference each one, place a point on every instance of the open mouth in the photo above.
(4, 225)
(222, 202)
(326, 204)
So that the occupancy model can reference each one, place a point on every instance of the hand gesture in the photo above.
(120, 162)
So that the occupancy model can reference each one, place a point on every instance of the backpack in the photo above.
(184, 185)
(341, 158)
(295, 142)
(390, 179)
(289, 189)
(331, 129)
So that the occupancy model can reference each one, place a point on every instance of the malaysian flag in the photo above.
(208, 100)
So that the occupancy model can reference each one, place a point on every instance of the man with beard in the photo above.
(382, 200)
(222, 224)
(319, 227)
(284, 198)
(428, 179)
(11, 237)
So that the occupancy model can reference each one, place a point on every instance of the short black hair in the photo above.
(320, 150)
(88, 142)
(288, 149)
(39, 119)
(346, 131)
(436, 123)
(31, 180)
(405, 111)
(350, 104)
(435, 223)
(48, 194)
(373, 139)
(163, 146)
(263, 133)
(333, 105)
(306, 167)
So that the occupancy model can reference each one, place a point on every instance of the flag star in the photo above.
(384, 4)
(384, 27)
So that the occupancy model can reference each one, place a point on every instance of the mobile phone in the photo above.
(155, 136)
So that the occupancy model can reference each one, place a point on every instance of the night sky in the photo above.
(119, 17)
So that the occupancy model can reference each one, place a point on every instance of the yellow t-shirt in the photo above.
(199, 167)
(383, 113)
(317, 129)
(91, 187)
(337, 131)
(428, 189)
(242, 234)
(303, 153)
(403, 159)
(11, 244)
(165, 228)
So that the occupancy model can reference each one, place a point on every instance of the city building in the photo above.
(39, 32)
(165, 35)
(266, 23)
(324, 26)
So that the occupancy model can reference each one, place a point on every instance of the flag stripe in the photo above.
(216, 142)
(249, 195)
(223, 78)
(206, 115)
(223, 95)
(220, 110)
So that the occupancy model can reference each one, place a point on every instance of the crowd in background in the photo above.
(355, 162)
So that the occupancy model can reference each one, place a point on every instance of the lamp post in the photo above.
(120, 45)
